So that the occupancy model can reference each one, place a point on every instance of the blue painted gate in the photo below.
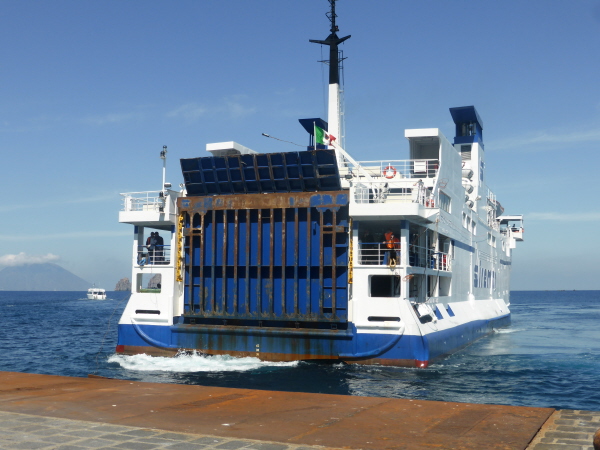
(256, 259)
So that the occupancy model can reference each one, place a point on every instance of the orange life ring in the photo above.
(389, 172)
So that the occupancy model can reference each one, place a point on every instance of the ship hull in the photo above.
(348, 346)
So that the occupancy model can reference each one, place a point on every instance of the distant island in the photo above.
(123, 285)
(40, 277)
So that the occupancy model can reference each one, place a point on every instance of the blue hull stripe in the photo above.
(464, 246)
(345, 345)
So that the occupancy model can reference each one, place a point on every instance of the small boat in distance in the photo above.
(95, 293)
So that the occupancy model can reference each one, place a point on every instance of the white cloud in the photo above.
(30, 125)
(232, 107)
(66, 235)
(236, 109)
(545, 138)
(190, 112)
(53, 204)
(564, 217)
(22, 259)
(111, 118)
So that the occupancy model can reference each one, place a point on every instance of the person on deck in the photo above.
(160, 246)
(392, 247)
(151, 246)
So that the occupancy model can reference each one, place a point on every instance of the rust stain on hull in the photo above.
(289, 417)
(274, 357)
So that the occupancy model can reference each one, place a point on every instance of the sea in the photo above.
(549, 356)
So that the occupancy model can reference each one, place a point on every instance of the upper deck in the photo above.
(395, 187)
(156, 209)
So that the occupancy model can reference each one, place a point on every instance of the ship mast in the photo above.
(334, 109)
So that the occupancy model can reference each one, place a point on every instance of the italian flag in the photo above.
(321, 136)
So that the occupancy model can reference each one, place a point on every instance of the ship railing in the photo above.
(153, 255)
(512, 231)
(379, 254)
(153, 201)
(376, 254)
(517, 233)
(392, 170)
(399, 191)
(428, 258)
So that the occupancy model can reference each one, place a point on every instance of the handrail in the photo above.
(379, 254)
(147, 255)
(401, 191)
(147, 200)
(398, 169)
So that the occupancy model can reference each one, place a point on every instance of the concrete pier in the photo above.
(567, 430)
(66, 413)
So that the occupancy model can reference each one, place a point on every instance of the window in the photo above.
(384, 286)
(148, 283)
(444, 202)
(465, 152)
(445, 283)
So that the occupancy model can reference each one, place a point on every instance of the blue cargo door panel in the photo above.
(280, 258)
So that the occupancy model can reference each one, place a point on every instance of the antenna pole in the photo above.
(332, 41)
(163, 156)
(334, 113)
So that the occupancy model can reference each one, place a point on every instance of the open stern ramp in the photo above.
(276, 260)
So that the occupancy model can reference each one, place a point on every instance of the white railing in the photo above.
(376, 254)
(379, 254)
(428, 258)
(153, 255)
(398, 169)
(154, 201)
(401, 191)
(491, 211)
(395, 181)
(142, 201)
(513, 231)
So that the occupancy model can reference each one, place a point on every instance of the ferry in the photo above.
(313, 255)
(95, 293)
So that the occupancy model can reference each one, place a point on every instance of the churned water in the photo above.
(549, 356)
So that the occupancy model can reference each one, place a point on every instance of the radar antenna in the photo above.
(332, 41)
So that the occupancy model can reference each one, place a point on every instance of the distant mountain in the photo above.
(40, 277)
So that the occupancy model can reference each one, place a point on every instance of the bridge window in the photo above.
(384, 286)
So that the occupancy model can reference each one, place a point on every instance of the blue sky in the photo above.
(91, 90)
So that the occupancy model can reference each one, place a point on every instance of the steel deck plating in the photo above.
(290, 418)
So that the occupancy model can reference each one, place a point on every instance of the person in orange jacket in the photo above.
(392, 245)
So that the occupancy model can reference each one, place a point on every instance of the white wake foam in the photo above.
(507, 330)
(193, 363)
